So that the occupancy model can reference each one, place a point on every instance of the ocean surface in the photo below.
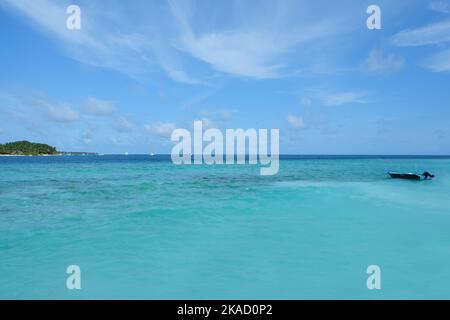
(140, 227)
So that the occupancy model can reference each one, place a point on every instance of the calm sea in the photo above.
(140, 227)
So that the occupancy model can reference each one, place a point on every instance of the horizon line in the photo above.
(281, 155)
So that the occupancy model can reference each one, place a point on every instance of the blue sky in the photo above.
(139, 69)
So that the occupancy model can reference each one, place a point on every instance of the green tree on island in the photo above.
(27, 148)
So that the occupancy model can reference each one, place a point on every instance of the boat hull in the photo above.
(405, 176)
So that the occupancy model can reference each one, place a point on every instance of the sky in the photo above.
(138, 69)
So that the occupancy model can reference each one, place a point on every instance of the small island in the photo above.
(26, 148)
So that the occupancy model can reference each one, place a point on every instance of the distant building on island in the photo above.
(78, 154)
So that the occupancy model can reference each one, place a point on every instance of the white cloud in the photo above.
(23, 120)
(127, 44)
(181, 76)
(192, 41)
(296, 122)
(437, 34)
(161, 129)
(338, 99)
(54, 110)
(100, 108)
(60, 113)
(439, 62)
(235, 53)
(31, 115)
(431, 34)
(381, 62)
(248, 50)
(440, 6)
(249, 54)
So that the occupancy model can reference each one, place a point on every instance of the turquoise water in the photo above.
(140, 227)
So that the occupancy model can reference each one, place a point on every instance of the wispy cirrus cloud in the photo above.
(182, 38)
(431, 34)
(435, 34)
(246, 49)
(131, 47)
(342, 98)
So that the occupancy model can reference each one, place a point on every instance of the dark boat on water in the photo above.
(407, 176)
(411, 176)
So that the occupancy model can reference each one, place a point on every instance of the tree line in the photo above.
(26, 148)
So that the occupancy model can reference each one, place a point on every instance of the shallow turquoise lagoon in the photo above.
(142, 228)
